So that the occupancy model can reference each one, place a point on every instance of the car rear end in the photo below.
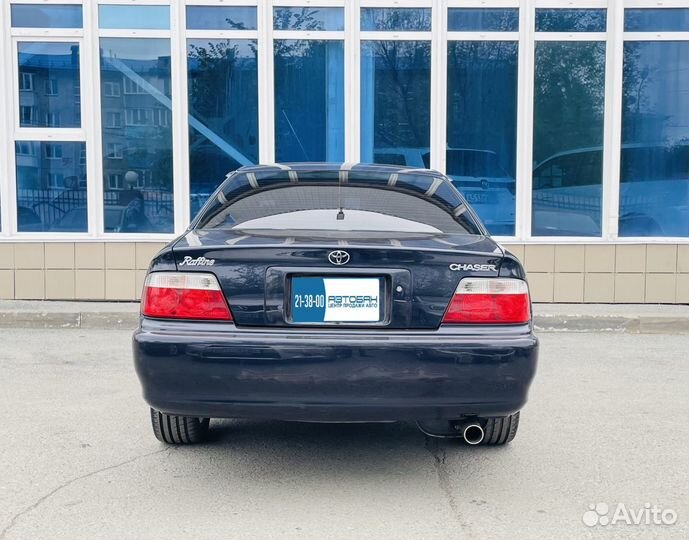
(252, 314)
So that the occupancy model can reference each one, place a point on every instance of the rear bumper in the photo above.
(218, 370)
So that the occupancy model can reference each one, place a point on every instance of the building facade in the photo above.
(565, 124)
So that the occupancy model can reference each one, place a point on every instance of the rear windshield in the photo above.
(336, 210)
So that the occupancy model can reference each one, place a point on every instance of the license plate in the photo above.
(331, 300)
(480, 197)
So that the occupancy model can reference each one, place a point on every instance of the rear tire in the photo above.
(172, 429)
(500, 430)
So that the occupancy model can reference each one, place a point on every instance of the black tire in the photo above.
(500, 430)
(172, 429)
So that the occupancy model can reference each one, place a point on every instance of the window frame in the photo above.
(623, 37)
(175, 34)
(524, 82)
(15, 133)
(307, 35)
(606, 180)
(92, 124)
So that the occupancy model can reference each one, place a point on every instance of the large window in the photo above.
(482, 128)
(51, 186)
(553, 118)
(48, 84)
(395, 102)
(654, 169)
(223, 112)
(309, 83)
(48, 147)
(140, 150)
(309, 100)
(569, 102)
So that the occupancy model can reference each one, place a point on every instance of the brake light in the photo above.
(489, 301)
(175, 295)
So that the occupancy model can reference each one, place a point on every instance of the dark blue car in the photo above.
(336, 293)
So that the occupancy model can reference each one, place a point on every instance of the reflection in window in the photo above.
(140, 150)
(654, 176)
(482, 128)
(46, 16)
(570, 20)
(48, 84)
(656, 20)
(396, 19)
(483, 20)
(223, 112)
(150, 17)
(221, 18)
(309, 100)
(51, 186)
(395, 102)
(568, 138)
(308, 18)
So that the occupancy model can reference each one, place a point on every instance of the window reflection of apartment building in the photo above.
(132, 118)
(49, 97)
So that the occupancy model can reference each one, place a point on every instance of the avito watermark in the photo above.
(603, 514)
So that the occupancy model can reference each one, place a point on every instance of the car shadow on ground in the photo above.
(328, 442)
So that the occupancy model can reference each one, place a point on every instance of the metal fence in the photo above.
(45, 208)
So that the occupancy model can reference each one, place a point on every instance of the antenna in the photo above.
(340, 213)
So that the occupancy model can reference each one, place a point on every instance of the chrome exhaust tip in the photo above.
(473, 433)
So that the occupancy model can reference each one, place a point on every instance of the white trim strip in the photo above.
(656, 36)
(483, 36)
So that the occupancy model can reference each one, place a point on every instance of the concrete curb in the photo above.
(41, 315)
(87, 320)
(641, 324)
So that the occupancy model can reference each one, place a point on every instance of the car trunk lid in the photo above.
(418, 274)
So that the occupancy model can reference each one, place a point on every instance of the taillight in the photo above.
(489, 301)
(175, 295)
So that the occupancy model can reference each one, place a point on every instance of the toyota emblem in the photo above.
(338, 257)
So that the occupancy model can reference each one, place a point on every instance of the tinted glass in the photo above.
(482, 128)
(221, 18)
(654, 176)
(144, 17)
(569, 96)
(137, 151)
(570, 20)
(396, 19)
(309, 100)
(223, 112)
(46, 16)
(656, 20)
(363, 209)
(51, 186)
(308, 18)
(483, 19)
(49, 87)
(395, 101)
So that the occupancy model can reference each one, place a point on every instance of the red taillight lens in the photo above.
(174, 295)
(489, 301)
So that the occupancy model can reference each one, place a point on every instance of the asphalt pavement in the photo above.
(607, 424)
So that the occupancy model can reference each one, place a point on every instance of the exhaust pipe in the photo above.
(473, 433)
